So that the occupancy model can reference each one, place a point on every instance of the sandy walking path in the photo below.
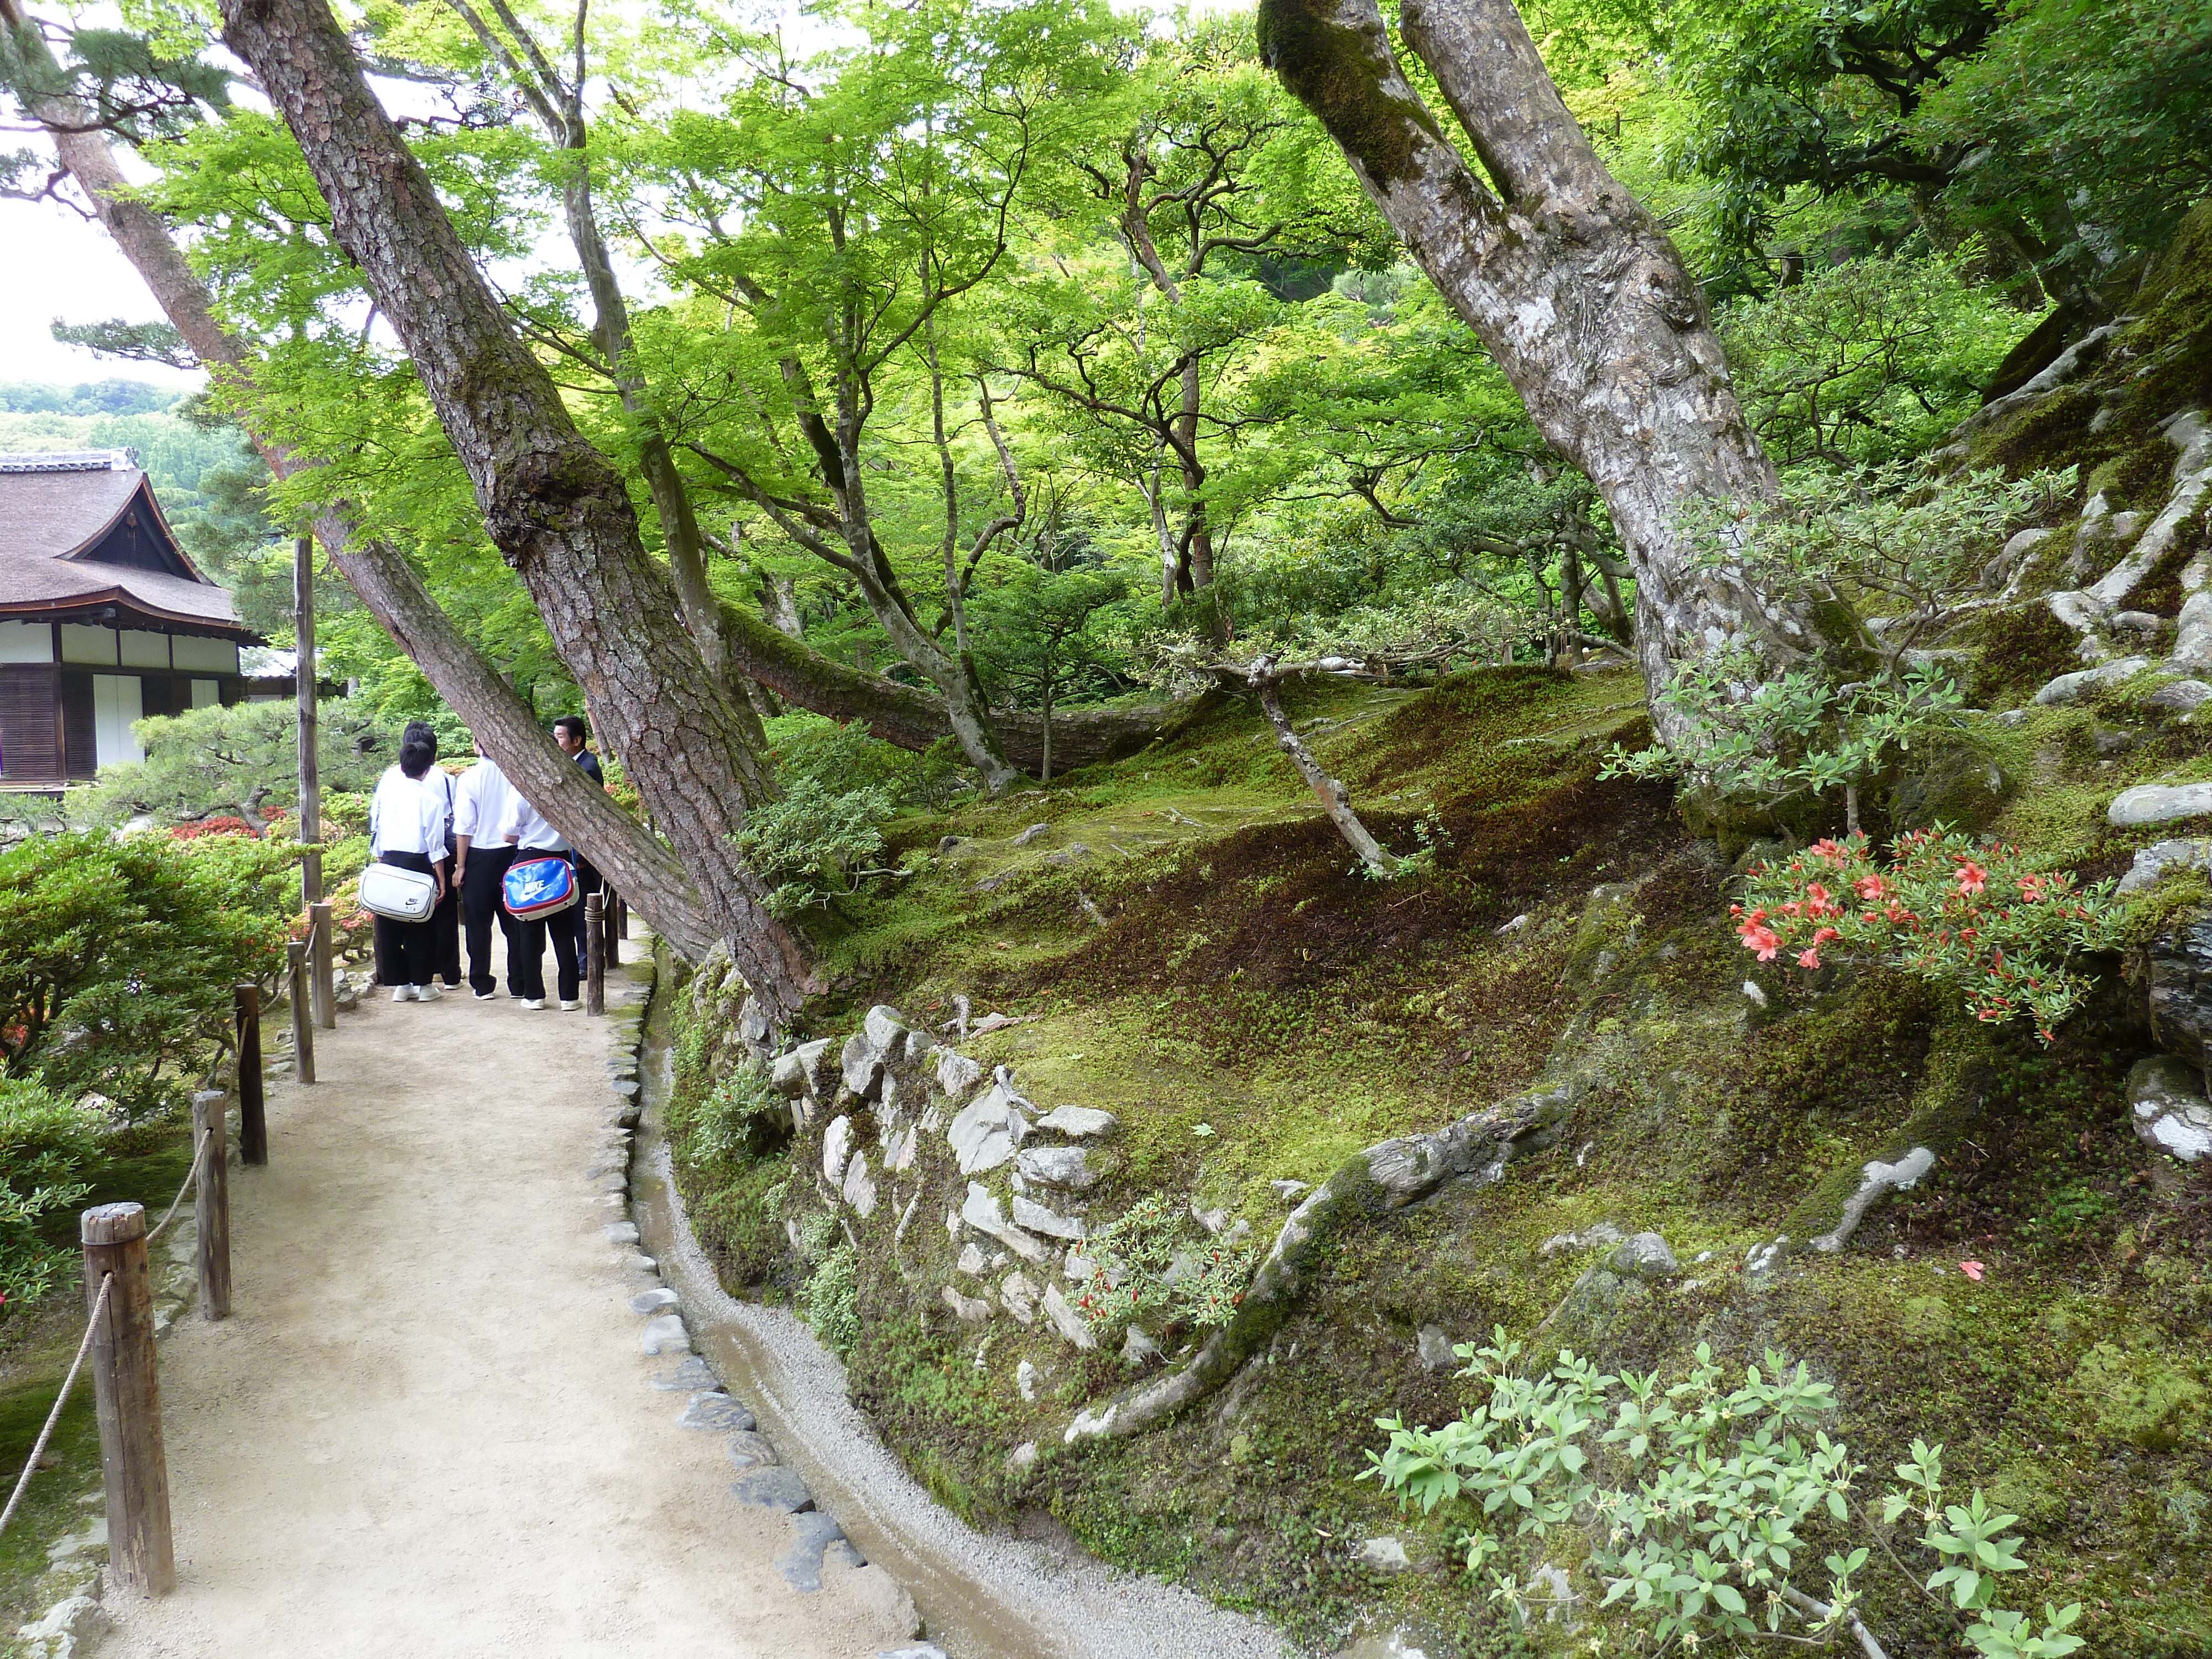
(427, 1430)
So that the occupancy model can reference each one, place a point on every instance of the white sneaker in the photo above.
(402, 993)
(428, 992)
(569, 1005)
(533, 1002)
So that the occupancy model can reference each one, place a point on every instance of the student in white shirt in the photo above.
(534, 838)
(407, 827)
(481, 801)
(446, 919)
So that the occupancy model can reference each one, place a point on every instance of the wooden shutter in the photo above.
(29, 752)
(80, 733)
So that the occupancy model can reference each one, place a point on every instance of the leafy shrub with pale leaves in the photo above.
(1149, 1264)
(1695, 1509)
(46, 1146)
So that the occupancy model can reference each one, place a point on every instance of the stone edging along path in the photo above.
(817, 1539)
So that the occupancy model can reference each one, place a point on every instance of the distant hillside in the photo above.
(119, 415)
(87, 398)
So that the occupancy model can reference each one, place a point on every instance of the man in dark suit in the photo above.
(570, 732)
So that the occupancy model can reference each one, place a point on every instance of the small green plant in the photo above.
(830, 1301)
(813, 845)
(1150, 1265)
(45, 1147)
(1689, 1506)
(731, 1123)
(1908, 553)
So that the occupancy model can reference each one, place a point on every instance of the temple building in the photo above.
(103, 619)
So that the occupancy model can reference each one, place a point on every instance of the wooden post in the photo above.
(141, 1554)
(319, 949)
(303, 1027)
(211, 1202)
(595, 954)
(253, 1123)
(622, 917)
(611, 918)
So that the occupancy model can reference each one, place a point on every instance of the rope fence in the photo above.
(39, 1448)
(119, 1330)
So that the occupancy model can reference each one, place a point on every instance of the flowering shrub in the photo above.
(1981, 918)
(1141, 1269)
(218, 826)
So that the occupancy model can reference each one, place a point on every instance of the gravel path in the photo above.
(428, 1428)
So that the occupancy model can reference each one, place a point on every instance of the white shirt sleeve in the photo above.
(434, 816)
(467, 799)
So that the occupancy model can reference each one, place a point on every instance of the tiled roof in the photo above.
(53, 506)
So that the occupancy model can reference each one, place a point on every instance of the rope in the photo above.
(91, 1324)
(199, 1153)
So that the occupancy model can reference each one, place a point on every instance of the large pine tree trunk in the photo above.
(554, 507)
(1570, 282)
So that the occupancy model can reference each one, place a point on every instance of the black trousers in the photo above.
(587, 883)
(406, 951)
(526, 958)
(479, 906)
(446, 927)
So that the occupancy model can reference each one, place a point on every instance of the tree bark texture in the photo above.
(1573, 285)
(554, 507)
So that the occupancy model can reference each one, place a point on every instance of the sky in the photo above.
(53, 263)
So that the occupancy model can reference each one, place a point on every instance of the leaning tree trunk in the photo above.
(639, 867)
(1569, 282)
(554, 507)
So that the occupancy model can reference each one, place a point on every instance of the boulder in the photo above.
(2167, 1100)
(1602, 1232)
(956, 1074)
(1138, 1348)
(2159, 803)
(2179, 984)
(1435, 1348)
(988, 1132)
(836, 1147)
(980, 1211)
(1033, 833)
(1055, 1166)
(1079, 1122)
(1025, 1375)
(2153, 861)
(2070, 688)
(800, 1071)
(1645, 1256)
(1065, 1320)
(717, 1413)
(860, 1189)
(665, 1334)
(912, 1049)
(749, 1449)
(968, 1309)
(777, 1488)
(903, 1147)
(861, 1065)
(884, 1028)
(971, 1260)
(1384, 1555)
(1019, 1297)
(1038, 1220)
(70, 1630)
(2179, 696)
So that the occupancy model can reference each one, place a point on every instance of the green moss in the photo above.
(2141, 1396)
(1339, 73)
